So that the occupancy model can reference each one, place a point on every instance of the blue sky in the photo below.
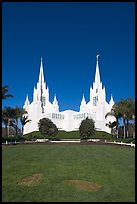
(68, 36)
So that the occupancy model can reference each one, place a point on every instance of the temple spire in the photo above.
(83, 104)
(83, 100)
(55, 100)
(27, 101)
(41, 82)
(97, 75)
(55, 104)
(41, 75)
(111, 102)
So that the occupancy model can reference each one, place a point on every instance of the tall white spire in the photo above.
(41, 75)
(97, 75)
(41, 85)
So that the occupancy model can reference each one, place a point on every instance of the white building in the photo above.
(68, 120)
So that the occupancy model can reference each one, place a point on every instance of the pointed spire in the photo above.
(55, 104)
(83, 100)
(111, 102)
(47, 88)
(27, 98)
(97, 75)
(34, 94)
(41, 75)
(55, 100)
(27, 101)
(104, 89)
(83, 104)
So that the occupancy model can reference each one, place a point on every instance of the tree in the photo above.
(24, 119)
(133, 118)
(127, 107)
(129, 111)
(116, 112)
(11, 131)
(47, 128)
(87, 129)
(122, 107)
(5, 89)
(112, 125)
(8, 117)
(18, 112)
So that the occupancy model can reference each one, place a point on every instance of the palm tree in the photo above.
(122, 106)
(112, 125)
(116, 112)
(8, 117)
(129, 111)
(133, 118)
(24, 119)
(5, 89)
(18, 114)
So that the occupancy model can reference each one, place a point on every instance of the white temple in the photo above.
(68, 120)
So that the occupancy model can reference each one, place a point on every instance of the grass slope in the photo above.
(55, 165)
(68, 135)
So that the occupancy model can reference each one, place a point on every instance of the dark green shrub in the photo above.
(47, 128)
(87, 129)
(129, 140)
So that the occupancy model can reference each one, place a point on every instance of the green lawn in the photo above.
(42, 172)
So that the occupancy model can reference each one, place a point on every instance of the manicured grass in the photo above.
(42, 173)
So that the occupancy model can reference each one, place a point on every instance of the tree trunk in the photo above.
(16, 126)
(124, 128)
(8, 130)
(134, 134)
(8, 127)
(127, 128)
(117, 127)
(22, 129)
(117, 133)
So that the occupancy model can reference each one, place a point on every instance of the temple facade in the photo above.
(68, 120)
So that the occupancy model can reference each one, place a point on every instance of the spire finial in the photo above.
(97, 56)
(97, 75)
(41, 75)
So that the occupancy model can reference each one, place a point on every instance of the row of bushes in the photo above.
(126, 140)
(65, 135)
(13, 139)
